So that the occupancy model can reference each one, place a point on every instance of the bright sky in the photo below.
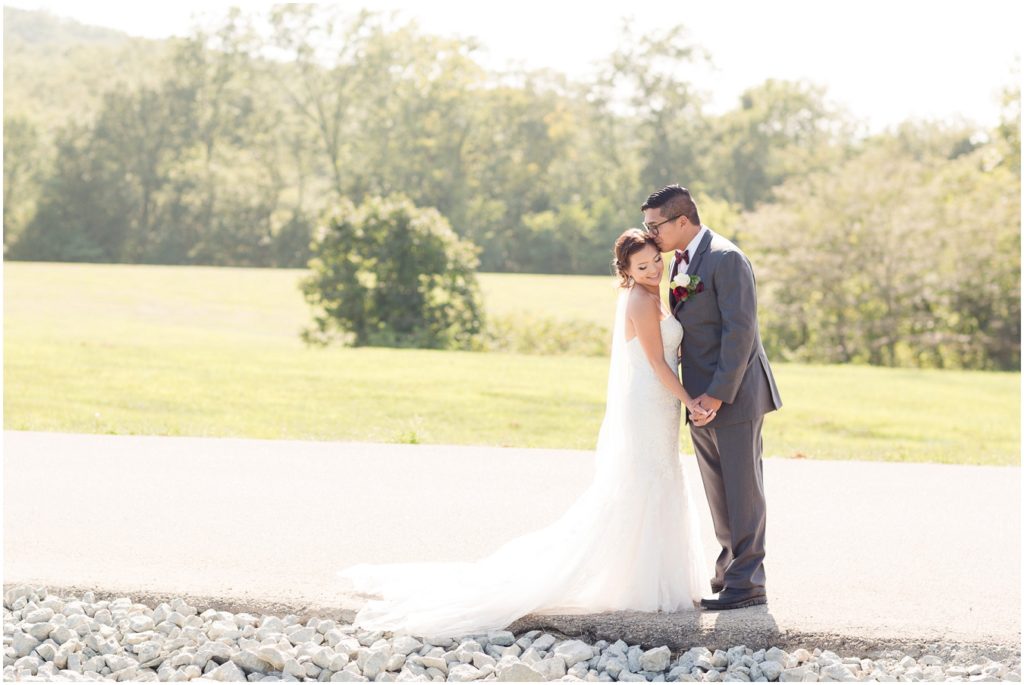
(884, 60)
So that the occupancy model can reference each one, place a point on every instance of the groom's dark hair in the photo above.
(673, 200)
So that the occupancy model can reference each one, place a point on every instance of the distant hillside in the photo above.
(56, 68)
(40, 27)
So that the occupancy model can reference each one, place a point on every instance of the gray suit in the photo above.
(722, 356)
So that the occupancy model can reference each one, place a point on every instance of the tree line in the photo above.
(900, 248)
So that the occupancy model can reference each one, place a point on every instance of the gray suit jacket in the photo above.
(722, 353)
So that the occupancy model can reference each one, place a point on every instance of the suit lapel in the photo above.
(695, 261)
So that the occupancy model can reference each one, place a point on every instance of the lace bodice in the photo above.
(654, 412)
(671, 337)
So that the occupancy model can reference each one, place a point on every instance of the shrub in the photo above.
(390, 274)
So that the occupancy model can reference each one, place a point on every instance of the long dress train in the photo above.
(630, 541)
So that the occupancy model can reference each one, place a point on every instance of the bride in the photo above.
(630, 541)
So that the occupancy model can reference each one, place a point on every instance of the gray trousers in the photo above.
(730, 466)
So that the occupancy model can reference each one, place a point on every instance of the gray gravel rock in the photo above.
(797, 674)
(58, 639)
(23, 643)
(252, 662)
(502, 638)
(544, 642)
(574, 651)
(516, 671)
(227, 672)
(656, 659)
(770, 669)
(464, 673)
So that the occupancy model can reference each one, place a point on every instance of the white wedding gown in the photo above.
(630, 541)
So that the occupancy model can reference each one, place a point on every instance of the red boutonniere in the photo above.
(684, 285)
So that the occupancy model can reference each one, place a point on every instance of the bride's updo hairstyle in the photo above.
(629, 243)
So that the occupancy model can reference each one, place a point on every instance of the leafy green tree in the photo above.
(104, 200)
(1008, 132)
(422, 132)
(225, 147)
(82, 215)
(214, 214)
(781, 129)
(644, 82)
(325, 76)
(901, 256)
(387, 273)
(980, 303)
(22, 150)
(929, 140)
(514, 159)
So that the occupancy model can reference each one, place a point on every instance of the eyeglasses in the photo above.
(653, 228)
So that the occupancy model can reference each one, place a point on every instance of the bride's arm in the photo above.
(646, 317)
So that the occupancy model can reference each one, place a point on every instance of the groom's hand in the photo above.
(710, 403)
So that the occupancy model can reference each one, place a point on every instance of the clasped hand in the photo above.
(703, 409)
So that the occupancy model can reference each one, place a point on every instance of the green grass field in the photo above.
(160, 350)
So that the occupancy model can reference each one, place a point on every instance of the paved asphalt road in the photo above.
(861, 555)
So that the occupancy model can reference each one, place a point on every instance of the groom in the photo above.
(724, 366)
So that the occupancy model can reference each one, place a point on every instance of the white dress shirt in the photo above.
(691, 248)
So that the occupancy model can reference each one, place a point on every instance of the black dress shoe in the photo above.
(735, 599)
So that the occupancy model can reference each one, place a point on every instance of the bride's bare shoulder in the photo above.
(639, 305)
